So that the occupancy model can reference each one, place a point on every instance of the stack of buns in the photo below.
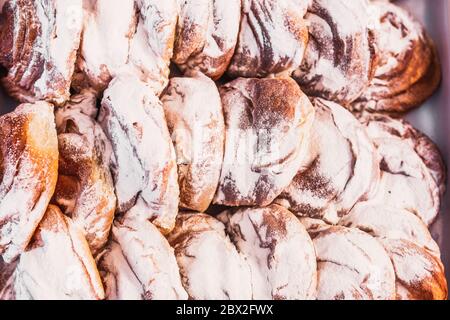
(211, 149)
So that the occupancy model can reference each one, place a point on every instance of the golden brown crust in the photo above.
(198, 133)
(206, 36)
(409, 161)
(341, 167)
(144, 162)
(38, 50)
(58, 263)
(338, 63)
(419, 273)
(408, 69)
(85, 187)
(28, 172)
(272, 38)
(267, 122)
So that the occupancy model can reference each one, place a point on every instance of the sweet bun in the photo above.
(217, 150)
(28, 173)
(38, 46)
(118, 35)
(341, 168)
(419, 274)
(414, 254)
(339, 58)
(195, 119)
(143, 162)
(85, 189)
(425, 148)
(406, 181)
(139, 264)
(107, 29)
(57, 264)
(210, 265)
(351, 265)
(266, 126)
(267, 238)
(151, 47)
(272, 38)
(206, 36)
(407, 69)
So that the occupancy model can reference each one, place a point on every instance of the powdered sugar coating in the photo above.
(39, 41)
(267, 122)
(407, 70)
(338, 59)
(85, 188)
(425, 148)
(144, 162)
(118, 278)
(406, 182)
(207, 34)
(352, 266)
(29, 170)
(152, 45)
(127, 35)
(210, 265)
(140, 264)
(391, 223)
(420, 274)
(57, 264)
(107, 31)
(413, 252)
(278, 250)
(192, 28)
(272, 38)
(341, 168)
(195, 119)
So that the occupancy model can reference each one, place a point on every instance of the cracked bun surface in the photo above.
(338, 63)
(341, 168)
(143, 157)
(267, 122)
(28, 171)
(272, 38)
(85, 188)
(58, 263)
(206, 36)
(194, 116)
(351, 265)
(407, 69)
(264, 236)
